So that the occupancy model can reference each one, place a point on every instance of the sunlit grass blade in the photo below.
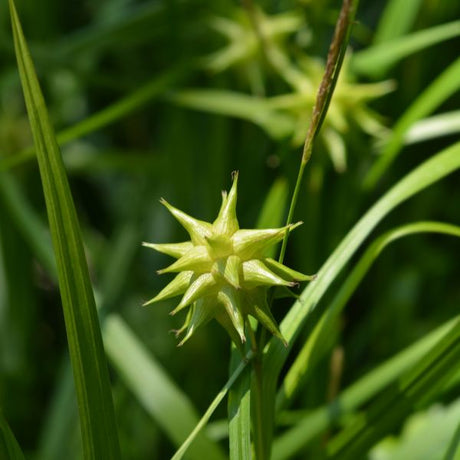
(411, 391)
(106, 116)
(428, 173)
(97, 418)
(444, 124)
(212, 407)
(454, 446)
(376, 60)
(392, 23)
(316, 345)
(156, 392)
(233, 104)
(352, 398)
(239, 412)
(9, 447)
(424, 436)
(437, 92)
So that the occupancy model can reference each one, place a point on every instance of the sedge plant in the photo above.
(223, 271)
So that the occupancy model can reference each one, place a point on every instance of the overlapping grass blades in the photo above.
(316, 345)
(97, 417)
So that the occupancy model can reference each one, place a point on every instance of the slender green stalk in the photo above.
(326, 90)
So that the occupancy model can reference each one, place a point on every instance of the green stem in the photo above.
(257, 409)
(326, 89)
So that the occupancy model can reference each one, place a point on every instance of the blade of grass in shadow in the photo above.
(97, 418)
(106, 116)
(437, 92)
(426, 174)
(316, 345)
(411, 391)
(392, 23)
(158, 394)
(376, 60)
(358, 394)
(9, 447)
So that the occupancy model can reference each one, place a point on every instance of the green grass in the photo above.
(107, 130)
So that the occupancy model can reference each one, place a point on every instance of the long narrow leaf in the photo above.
(416, 387)
(353, 397)
(394, 24)
(439, 90)
(239, 412)
(315, 346)
(428, 173)
(377, 60)
(98, 426)
(105, 117)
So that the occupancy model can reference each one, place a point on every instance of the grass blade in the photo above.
(426, 174)
(411, 390)
(358, 394)
(438, 91)
(9, 447)
(98, 426)
(375, 61)
(106, 116)
(394, 24)
(239, 412)
(444, 124)
(316, 345)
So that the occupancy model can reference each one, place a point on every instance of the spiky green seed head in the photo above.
(223, 273)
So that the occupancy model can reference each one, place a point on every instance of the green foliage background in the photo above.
(112, 73)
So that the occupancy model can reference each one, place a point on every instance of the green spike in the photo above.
(255, 273)
(227, 222)
(178, 332)
(219, 246)
(203, 312)
(229, 269)
(197, 229)
(174, 250)
(258, 308)
(250, 244)
(287, 272)
(229, 298)
(197, 259)
(176, 287)
(198, 288)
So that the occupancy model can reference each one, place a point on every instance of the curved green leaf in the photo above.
(426, 174)
(376, 60)
(356, 395)
(438, 91)
(315, 346)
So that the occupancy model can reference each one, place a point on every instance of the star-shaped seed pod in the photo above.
(222, 272)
